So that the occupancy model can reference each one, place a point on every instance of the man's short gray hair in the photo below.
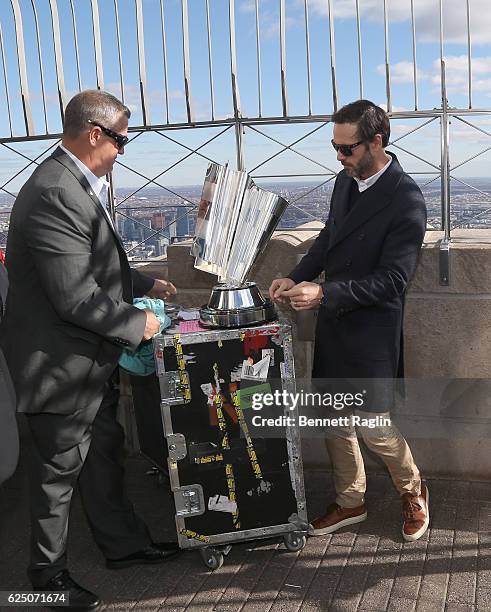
(96, 105)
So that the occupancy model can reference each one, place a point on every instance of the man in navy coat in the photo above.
(368, 251)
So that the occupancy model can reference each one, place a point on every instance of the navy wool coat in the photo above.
(368, 256)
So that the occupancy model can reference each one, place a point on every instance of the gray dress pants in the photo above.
(86, 446)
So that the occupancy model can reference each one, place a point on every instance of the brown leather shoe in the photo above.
(416, 514)
(337, 517)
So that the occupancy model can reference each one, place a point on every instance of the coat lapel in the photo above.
(64, 159)
(371, 201)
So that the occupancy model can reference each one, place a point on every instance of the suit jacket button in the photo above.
(361, 236)
(348, 263)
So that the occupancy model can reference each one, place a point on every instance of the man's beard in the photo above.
(364, 166)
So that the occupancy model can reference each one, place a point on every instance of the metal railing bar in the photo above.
(5, 82)
(185, 56)
(469, 51)
(22, 67)
(332, 55)
(193, 151)
(60, 77)
(471, 158)
(8, 192)
(412, 131)
(250, 121)
(418, 157)
(360, 59)
(141, 224)
(233, 59)
(96, 31)
(140, 38)
(473, 218)
(261, 176)
(258, 59)
(441, 29)
(75, 40)
(160, 206)
(387, 66)
(472, 125)
(415, 65)
(40, 62)
(290, 147)
(210, 59)
(118, 44)
(462, 182)
(178, 195)
(31, 161)
(307, 49)
(284, 93)
(164, 54)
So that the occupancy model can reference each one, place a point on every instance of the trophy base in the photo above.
(232, 306)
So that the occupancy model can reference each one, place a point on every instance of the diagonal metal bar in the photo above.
(290, 147)
(471, 158)
(159, 231)
(31, 161)
(312, 190)
(193, 151)
(462, 182)
(178, 195)
(417, 157)
(476, 127)
(422, 125)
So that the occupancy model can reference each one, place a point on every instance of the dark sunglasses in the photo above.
(345, 149)
(119, 139)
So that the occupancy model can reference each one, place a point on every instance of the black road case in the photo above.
(228, 485)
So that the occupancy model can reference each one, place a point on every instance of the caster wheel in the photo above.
(212, 558)
(294, 541)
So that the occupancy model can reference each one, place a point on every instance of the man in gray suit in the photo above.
(69, 315)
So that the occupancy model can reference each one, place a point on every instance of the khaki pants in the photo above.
(385, 441)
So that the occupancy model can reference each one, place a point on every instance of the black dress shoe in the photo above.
(155, 553)
(79, 598)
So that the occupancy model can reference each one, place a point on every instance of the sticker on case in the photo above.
(255, 371)
(221, 503)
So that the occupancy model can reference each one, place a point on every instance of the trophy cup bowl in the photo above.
(235, 222)
(236, 306)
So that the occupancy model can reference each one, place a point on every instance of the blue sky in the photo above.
(151, 153)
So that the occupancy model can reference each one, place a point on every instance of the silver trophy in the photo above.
(235, 222)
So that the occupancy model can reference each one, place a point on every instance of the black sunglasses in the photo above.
(346, 149)
(119, 139)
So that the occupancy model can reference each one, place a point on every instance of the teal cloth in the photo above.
(142, 362)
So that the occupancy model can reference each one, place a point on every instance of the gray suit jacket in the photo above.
(69, 311)
(9, 438)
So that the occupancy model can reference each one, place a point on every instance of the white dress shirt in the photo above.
(364, 184)
(98, 185)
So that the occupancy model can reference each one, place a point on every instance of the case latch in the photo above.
(189, 500)
(175, 388)
(176, 444)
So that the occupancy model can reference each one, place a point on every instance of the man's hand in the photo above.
(304, 296)
(162, 289)
(278, 288)
(152, 325)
